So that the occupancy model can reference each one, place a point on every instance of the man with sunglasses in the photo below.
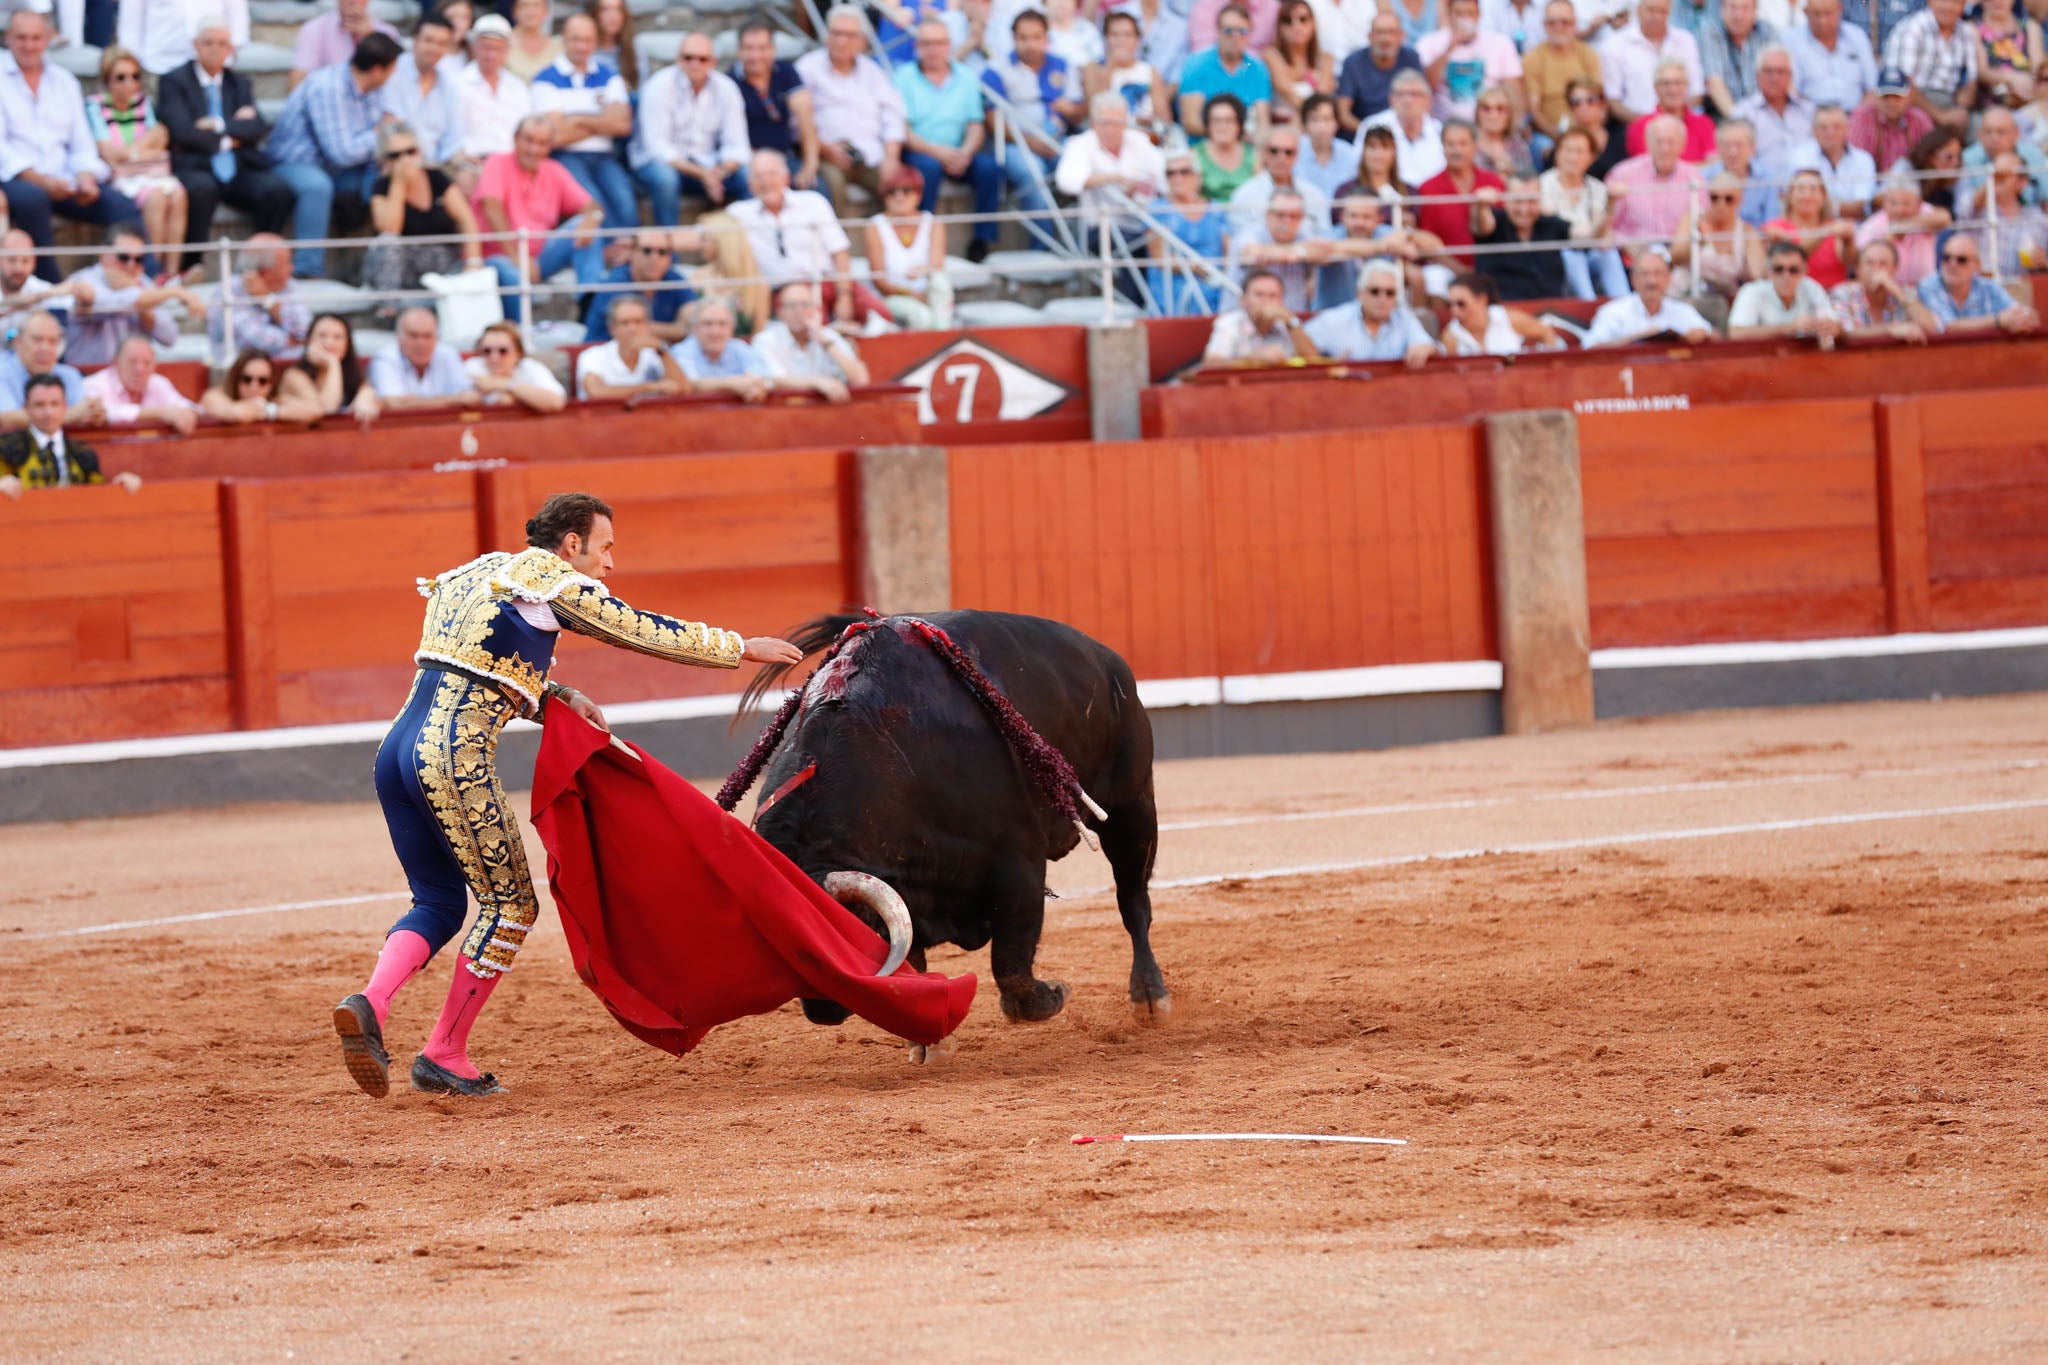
(1227, 68)
(1963, 299)
(1788, 304)
(1760, 197)
(1377, 327)
(269, 315)
(114, 300)
(1279, 154)
(692, 138)
(653, 272)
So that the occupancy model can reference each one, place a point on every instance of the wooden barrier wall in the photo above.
(1983, 463)
(1210, 558)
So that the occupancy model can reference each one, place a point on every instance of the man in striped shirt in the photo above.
(325, 144)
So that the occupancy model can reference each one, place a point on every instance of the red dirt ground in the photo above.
(1773, 1094)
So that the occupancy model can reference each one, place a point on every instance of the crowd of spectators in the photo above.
(1345, 170)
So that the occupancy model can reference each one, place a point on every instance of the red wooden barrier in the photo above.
(114, 625)
(1985, 458)
(1222, 557)
(1759, 525)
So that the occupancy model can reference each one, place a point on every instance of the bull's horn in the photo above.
(858, 888)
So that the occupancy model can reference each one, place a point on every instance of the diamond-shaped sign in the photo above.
(968, 382)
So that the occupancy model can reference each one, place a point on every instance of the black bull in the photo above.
(893, 768)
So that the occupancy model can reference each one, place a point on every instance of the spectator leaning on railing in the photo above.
(246, 393)
(38, 341)
(1877, 303)
(1283, 245)
(1279, 158)
(631, 365)
(132, 390)
(503, 373)
(1262, 329)
(219, 139)
(327, 378)
(113, 300)
(716, 361)
(1377, 326)
(42, 454)
(420, 370)
(263, 300)
(1480, 325)
(1785, 303)
(802, 352)
(20, 286)
(1910, 224)
(1648, 312)
(1963, 299)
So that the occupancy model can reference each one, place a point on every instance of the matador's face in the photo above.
(590, 555)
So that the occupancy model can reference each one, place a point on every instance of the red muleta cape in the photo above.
(681, 918)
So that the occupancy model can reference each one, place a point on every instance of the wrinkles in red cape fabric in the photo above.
(681, 918)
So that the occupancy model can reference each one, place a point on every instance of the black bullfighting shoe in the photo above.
(436, 1079)
(362, 1045)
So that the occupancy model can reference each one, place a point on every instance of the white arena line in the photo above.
(1258, 874)
(1601, 794)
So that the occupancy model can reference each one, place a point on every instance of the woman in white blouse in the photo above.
(1568, 192)
(906, 251)
(504, 373)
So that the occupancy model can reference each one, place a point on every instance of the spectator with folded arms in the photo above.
(1283, 245)
(263, 301)
(20, 286)
(1788, 303)
(1648, 312)
(629, 366)
(1909, 224)
(132, 391)
(1877, 303)
(1364, 235)
(502, 373)
(327, 378)
(246, 393)
(1261, 330)
(1963, 299)
(42, 454)
(420, 370)
(801, 352)
(1480, 325)
(114, 300)
(716, 361)
(589, 111)
(1377, 326)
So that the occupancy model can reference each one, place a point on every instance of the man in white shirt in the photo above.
(1782, 119)
(493, 100)
(1418, 136)
(1647, 312)
(858, 110)
(1279, 154)
(1789, 303)
(630, 365)
(419, 370)
(802, 351)
(692, 137)
(1834, 64)
(1260, 329)
(48, 158)
(1105, 163)
(1851, 172)
(587, 106)
(1629, 60)
(796, 236)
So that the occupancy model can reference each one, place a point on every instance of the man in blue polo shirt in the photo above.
(1044, 95)
(1376, 327)
(1226, 67)
(653, 263)
(942, 109)
(716, 361)
(1963, 300)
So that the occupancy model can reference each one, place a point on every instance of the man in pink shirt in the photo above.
(330, 39)
(133, 391)
(1652, 192)
(527, 188)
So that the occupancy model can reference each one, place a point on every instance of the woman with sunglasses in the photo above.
(1607, 134)
(1501, 149)
(1225, 160)
(906, 252)
(328, 378)
(411, 200)
(505, 373)
(1199, 227)
(247, 393)
(1731, 255)
(1811, 222)
(130, 140)
(1569, 191)
(1296, 60)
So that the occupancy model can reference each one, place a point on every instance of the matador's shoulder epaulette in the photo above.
(482, 563)
(537, 575)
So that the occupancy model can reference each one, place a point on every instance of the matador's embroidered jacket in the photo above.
(497, 617)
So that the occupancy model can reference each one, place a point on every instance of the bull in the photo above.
(893, 770)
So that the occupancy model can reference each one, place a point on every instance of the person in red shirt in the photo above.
(1460, 177)
(527, 188)
(1673, 99)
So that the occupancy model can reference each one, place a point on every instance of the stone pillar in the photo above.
(1119, 368)
(1539, 570)
(904, 547)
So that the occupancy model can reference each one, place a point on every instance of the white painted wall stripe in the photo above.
(1788, 651)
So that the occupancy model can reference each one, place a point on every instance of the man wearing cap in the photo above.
(1833, 63)
(1889, 125)
(492, 99)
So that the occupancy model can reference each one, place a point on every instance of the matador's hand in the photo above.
(586, 708)
(766, 649)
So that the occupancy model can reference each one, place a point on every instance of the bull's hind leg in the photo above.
(1017, 918)
(1130, 839)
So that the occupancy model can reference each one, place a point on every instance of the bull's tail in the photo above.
(813, 635)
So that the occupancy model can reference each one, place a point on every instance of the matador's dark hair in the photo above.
(565, 514)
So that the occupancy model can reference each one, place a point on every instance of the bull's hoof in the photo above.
(1153, 1010)
(921, 1053)
(1040, 1002)
(826, 1012)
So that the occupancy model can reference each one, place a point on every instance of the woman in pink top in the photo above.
(1911, 224)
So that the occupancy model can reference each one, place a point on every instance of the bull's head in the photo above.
(872, 893)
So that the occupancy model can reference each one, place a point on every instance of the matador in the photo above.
(484, 658)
